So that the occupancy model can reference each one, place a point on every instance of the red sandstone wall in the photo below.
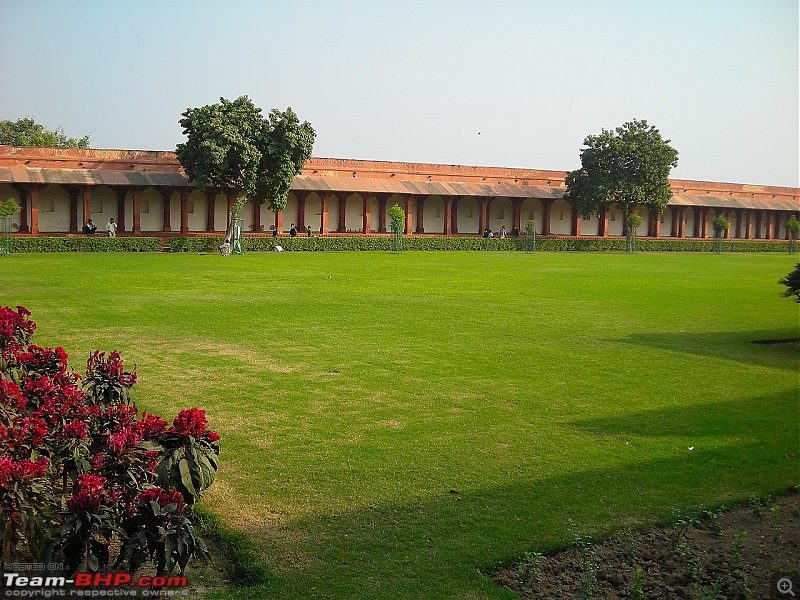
(164, 161)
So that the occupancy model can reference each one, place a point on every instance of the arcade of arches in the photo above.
(148, 194)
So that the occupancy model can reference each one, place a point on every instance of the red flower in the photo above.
(10, 395)
(123, 440)
(23, 469)
(212, 436)
(190, 421)
(151, 426)
(76, 429)
(90, 496)
(163, 497)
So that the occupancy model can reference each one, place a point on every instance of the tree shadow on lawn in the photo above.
(438, 547)
(740, 346)
(759, 418)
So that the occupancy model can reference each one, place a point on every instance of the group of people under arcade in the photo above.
(488, 233)
(111, 228)
(292, 231)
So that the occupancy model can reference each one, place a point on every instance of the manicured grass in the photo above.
(392, 425)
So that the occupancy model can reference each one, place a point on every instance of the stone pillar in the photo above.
(516, 214)
(447, 227)
(675, 214)
(759, 216)
(738, 230)
(382, 213)
(421, 213)
(366, 224)
(34, 197)
(184, 211)
(682, 222)
(323, 219)
(121, 193)
(279, 221)
(704, 222)
(86, 197)
(483, 215)
(257, 226)
(698, 212)
(24, 202)
(136, 194)
(409, 202)
(654, 225)
(454, 214)
(211, 204)
(73, 209)
(748, 224)
(547, 206)
(342, 214)
(166, 205)
(576, 222)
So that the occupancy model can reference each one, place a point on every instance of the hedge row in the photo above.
(85, 244)
(507, 244)
(355, 243)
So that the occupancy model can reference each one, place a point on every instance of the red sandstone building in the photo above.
(147, 193)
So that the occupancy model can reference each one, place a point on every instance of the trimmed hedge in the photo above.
(381, 243)
(194, 244)
(85, 244)
(432, 243)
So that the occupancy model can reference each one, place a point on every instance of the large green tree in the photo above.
(231, 146)
(26, 132)
(628, 167)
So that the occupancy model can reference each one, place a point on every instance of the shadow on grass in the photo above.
(740, 346)
(438, 547)
(749, 418)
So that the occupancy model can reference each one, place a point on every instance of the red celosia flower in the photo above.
(76, 429)
(190, 421)
(123, 440)
(163, 497)
(22, 471)
(212, 436)
(151, 426)
(11, 396)
(90, 495)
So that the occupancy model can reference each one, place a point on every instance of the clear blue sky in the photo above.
(418, 80)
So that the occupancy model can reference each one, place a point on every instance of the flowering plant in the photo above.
(190, 453)
(159, 531)
(78, 465)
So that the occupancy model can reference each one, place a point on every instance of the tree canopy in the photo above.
(628, 167)
(231, 146)
(26, 132)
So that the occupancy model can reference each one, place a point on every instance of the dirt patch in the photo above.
(739, 553)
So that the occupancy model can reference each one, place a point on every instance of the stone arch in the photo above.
(531, 210)
(501, 212)
(434, 214)
(561, 218)
(54, 209)
(469, 211)
(353, 213)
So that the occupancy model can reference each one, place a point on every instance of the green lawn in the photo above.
(356, 393)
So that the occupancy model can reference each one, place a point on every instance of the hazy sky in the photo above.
(477, 82)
